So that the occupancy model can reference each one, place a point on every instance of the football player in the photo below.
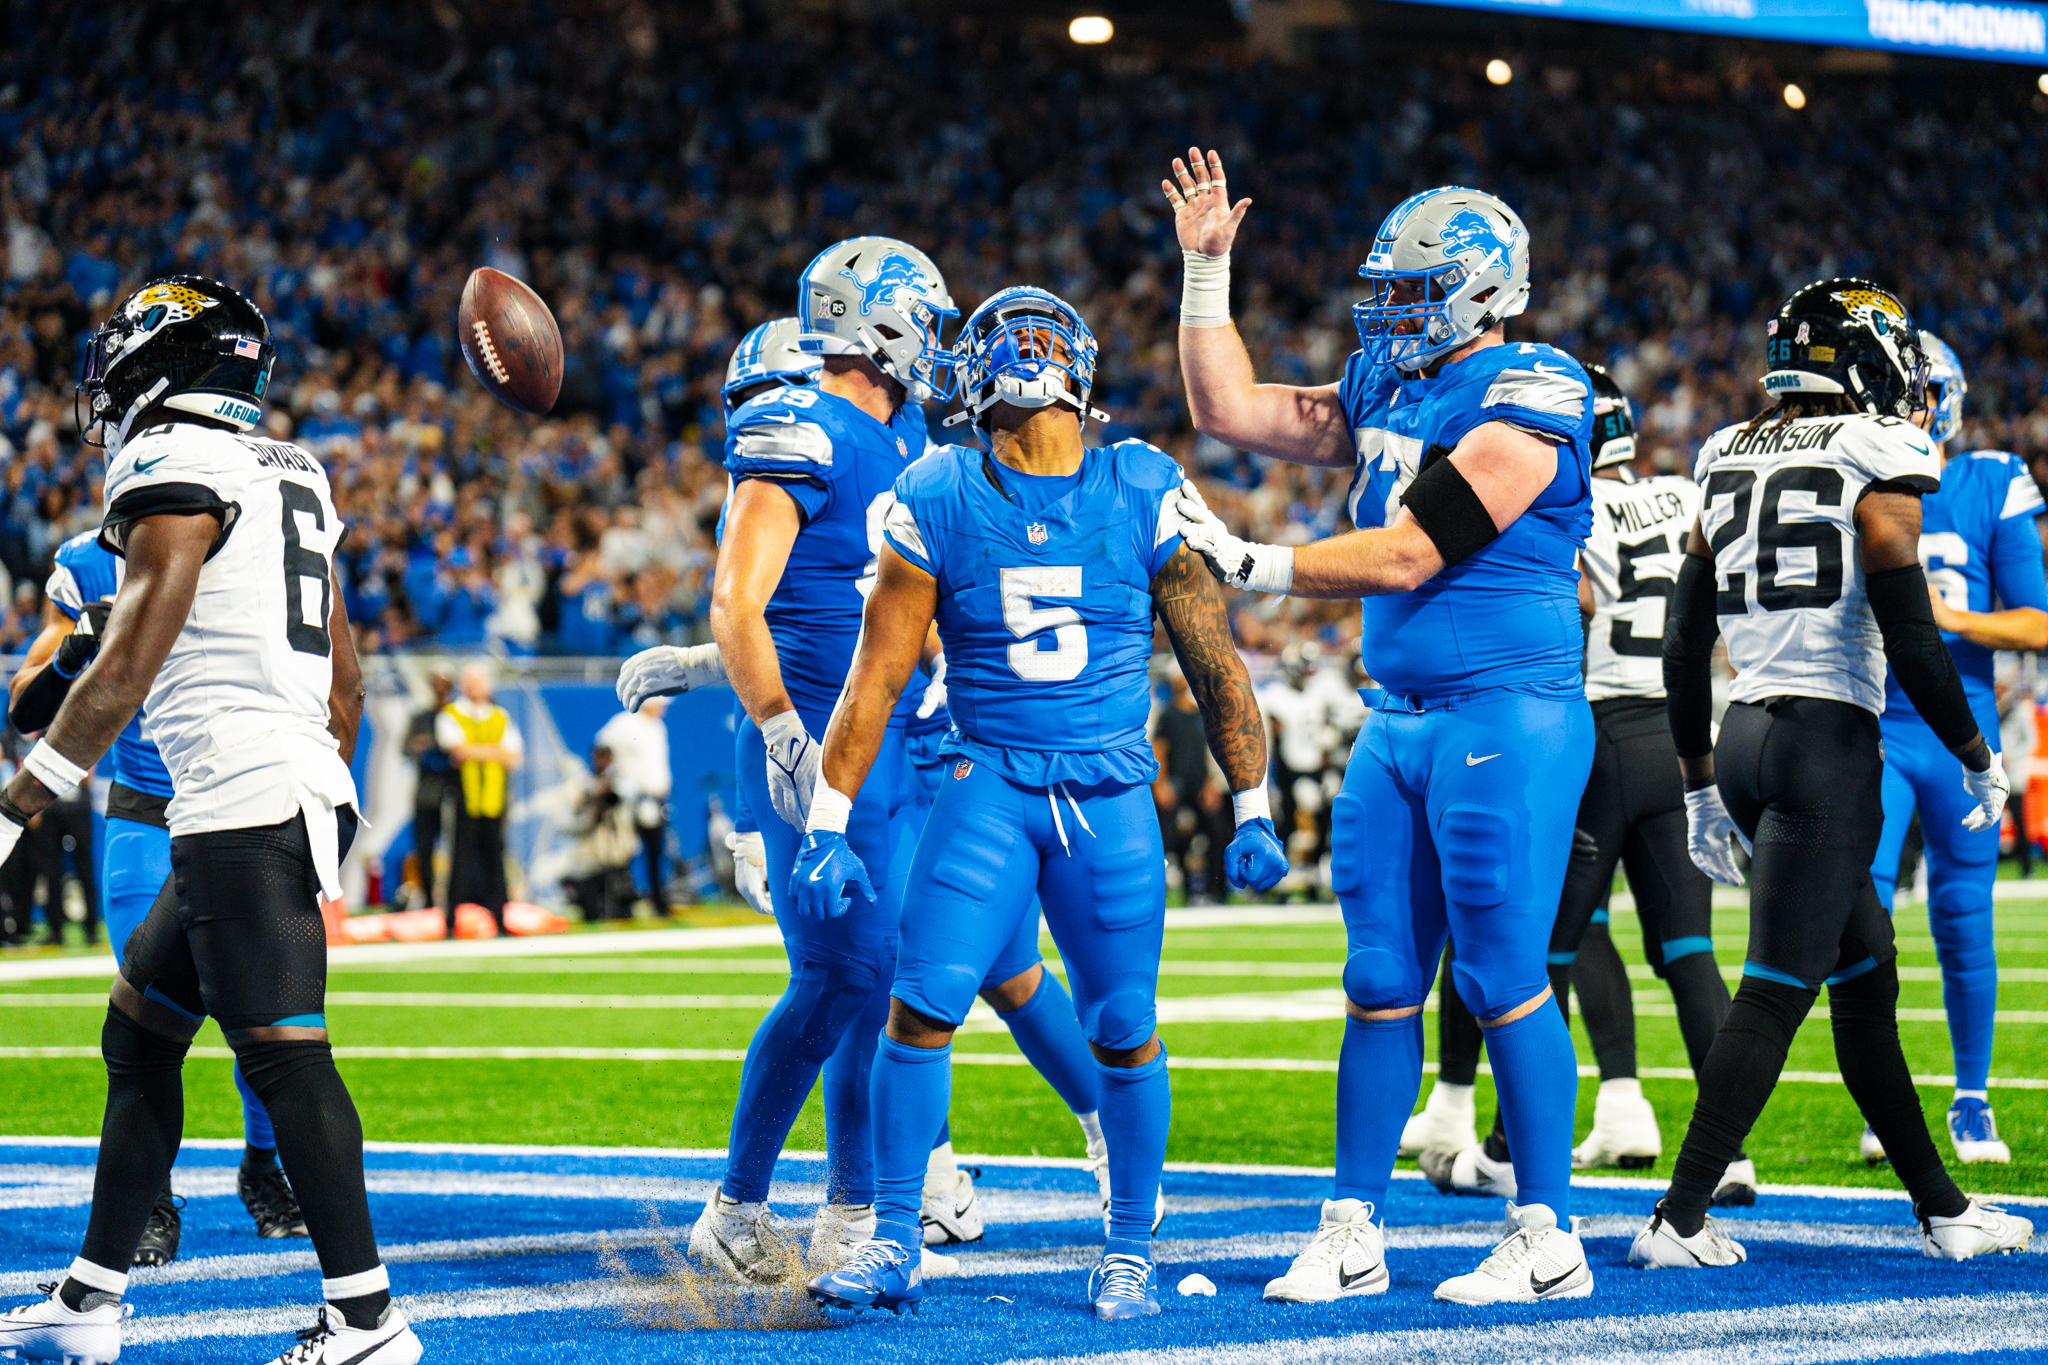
(1806, 559)
(1982, 553)
(230, 622)
(1043, 563)
(1472, 492)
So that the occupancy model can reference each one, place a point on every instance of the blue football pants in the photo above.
(1962, 865)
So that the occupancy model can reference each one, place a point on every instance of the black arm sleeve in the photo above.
(1449, 512)
(1690, 629)
(1921, 662)
(38, 703)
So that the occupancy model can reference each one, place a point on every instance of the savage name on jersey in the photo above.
(1778, 507)
(86, 572)
(1508, 616)
(1631, 560)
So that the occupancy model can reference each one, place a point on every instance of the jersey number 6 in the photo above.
(300, 564)
(1026, 620)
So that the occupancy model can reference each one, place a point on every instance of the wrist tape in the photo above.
(1205, 290)
(1251, 804)
(52, 769)
(829, 809)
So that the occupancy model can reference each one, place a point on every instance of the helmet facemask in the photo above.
(1029, 349)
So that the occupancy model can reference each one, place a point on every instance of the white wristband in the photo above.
(1205, 290)
(779, 727)
(1251, 805)
(52, 769)
(829, 809)
(1273, 570)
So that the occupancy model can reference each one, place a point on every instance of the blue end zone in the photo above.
(496, 1254)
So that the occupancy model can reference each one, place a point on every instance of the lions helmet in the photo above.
(883, 299)
(1945, 388)
(1448, 265)
(1614, 421)
(767, 357)
(183, 342)
(1026, 347)
(1848, 337)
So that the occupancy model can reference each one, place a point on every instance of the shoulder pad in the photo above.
(1534, 377)
(1143, 465)
(935, 471)
(84, 545)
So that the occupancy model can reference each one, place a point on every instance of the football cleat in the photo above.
(1347, 1258)
(271, 1203)
(837, 1232)
(47, 1330)
(1977, 1231)
(1658, 1246)
(1871, 1149)
(1470, 1171)
(331, 1341)
(1624, 1133)
(1975, 1133)
(1738, 1185)
(1447, 1122)
(1539, 1260)
(1098, 1166)
(879, 1274)
(162, 1233)
(1123, 1286)
(951, 1213)
(745, 1241)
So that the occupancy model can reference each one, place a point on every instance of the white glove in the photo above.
(935, 691)
(668, 669)
(1988, 789)
(1708, 830)
(793, 759)
(750, 869)
(11, 831)
(1240, 563)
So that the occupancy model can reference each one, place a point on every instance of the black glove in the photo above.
(83, 642)
(1584, 845)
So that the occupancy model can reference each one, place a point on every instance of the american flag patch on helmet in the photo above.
(248, 349)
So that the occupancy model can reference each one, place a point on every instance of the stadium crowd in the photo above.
(661, 178)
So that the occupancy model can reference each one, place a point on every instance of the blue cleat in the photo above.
(879, 1274)
(1123, 1287)
(1975, 1132)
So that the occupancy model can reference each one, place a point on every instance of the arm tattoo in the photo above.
(1190, 606)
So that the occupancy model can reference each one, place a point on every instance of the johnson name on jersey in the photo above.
(1778, 507)
(85, 572)
(1507, 616)
(1631, 561)
(1045, 607)
(239, 709)
(839, 465)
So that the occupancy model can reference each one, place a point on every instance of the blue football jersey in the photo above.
(1509, 615)
(1982, 552)
(840, 465)
(1045, 610)
(85, 572)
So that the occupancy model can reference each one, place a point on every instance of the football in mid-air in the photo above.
(511, 341)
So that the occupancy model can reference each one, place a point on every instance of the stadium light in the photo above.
(1795, 97)
(2043, 82)
(1499, 72)
(1091, 28)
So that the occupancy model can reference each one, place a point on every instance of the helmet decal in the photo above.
(1468, 230)
(896, 272)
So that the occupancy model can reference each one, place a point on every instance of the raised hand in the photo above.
(1203, 217)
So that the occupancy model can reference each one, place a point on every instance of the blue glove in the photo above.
(826, 868)
(1255, 859)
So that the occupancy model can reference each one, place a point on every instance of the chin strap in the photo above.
(142, 402)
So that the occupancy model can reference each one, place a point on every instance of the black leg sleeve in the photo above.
(1735, 1082)
(1606, 1003)
(319, 1144)
(1866, 1023)
(1458, 1033)
(139, 1137)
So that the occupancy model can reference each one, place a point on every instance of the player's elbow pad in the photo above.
(1689, 632)
(37, 705)
(1919, 656)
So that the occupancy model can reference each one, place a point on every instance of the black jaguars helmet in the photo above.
(1848, 337)
(186, 342)
(1614, 421)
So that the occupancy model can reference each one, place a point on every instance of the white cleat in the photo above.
(1447, 1123)
(932, 1266)
(837, 1232)
(1738, 1185)
(1978, 1230)
(1624, 1130)
(1975, 1133)
(47, 1330)
(1659, 1247)
(1871, 1150)
(1346, 1259)
(744, 1241)
(1470, 1171)
(1538, 1261)
(331, 1341)
(950, 1213)
(1098, 1166)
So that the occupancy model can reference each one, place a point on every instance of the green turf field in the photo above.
(1240, 1002)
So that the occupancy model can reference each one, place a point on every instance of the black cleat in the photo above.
(159, 1244)
(271, 1203)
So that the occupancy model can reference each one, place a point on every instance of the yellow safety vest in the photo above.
(483, 784)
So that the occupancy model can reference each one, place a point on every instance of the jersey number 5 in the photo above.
(1026, 620)
(1774, 536)
(300, 564)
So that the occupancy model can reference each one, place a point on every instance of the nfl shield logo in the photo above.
(962, 768)
(902, 449)
(1035, 532)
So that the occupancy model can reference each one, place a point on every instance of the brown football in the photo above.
(511, 341)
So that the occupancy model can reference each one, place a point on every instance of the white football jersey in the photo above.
(1631, 560)
(240, 706)
(1778, 507)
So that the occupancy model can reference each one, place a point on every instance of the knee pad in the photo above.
(1490, 996)
(271, 1063)
(1347, 844)
(1375, 979)
(129, 1049)
(1476, 845)
(1121, 1022)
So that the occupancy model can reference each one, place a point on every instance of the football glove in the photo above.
(1708, 834)
(829, 876)
(1988, 789)
(1240, 563)
(793, 759)
(1255, 860)
(83, 643)
(750, 869)
(668, 669)
(935, 691)
(1584, 845)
